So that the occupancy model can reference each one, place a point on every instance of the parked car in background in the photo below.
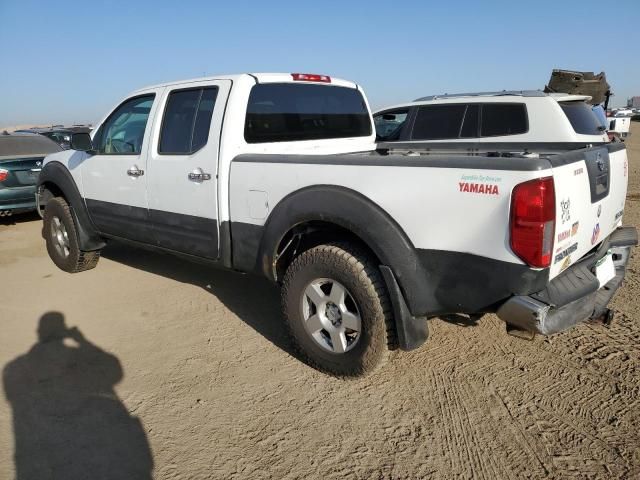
(21, 157)
(619, 126)
(59, 134)
(495, 117)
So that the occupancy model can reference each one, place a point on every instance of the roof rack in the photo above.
(519, 93)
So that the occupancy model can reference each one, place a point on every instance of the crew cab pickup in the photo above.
(278, 174)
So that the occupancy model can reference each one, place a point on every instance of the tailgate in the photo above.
(591, 187)
(23, 171)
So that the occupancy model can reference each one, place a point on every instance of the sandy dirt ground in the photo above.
(177, 371)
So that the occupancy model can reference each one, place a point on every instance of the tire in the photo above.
(61, 237)
(315, 327)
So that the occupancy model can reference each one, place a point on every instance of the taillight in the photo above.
(533, 218)
(311, 77)
(3, 174)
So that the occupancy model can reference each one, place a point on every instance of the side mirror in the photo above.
(81, 141)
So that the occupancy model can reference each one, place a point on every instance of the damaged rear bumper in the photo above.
(576, 294)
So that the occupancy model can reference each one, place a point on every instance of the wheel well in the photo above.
(53, 189)
(309, 234)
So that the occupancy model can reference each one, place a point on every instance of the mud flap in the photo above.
(412, 331)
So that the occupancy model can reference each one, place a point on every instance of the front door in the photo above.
(114, 179)
(183, 163)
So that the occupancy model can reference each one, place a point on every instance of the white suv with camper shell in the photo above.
(511, 116)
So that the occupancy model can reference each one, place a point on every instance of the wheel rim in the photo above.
(60, 237)
(331, 316)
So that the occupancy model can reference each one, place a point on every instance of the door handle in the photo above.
(198, 175)
(134, 171)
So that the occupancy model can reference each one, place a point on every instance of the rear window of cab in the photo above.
(287, 112)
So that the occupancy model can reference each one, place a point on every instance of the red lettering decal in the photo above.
(474, 188)
(461, 185)
(495, 190)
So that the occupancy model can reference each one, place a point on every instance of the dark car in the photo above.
(21, 158)
(59, 134)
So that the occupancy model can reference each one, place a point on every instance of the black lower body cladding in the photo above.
(439, 282)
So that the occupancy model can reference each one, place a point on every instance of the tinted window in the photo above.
(471, 121)
(438, 122)
(123, 131)
(389, 125)
(582, 118)
(281, 112)
(503, 119)
(186, 122)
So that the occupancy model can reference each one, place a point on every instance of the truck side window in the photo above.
(187, 119)
(438, 122)
(389, 124)
(122, 133)
(503, 119)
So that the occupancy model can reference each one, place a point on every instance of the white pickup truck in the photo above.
(278, 174)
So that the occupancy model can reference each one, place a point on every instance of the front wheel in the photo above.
(337, 310)
(61, 237)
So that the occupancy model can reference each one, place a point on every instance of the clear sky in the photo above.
(71, 61)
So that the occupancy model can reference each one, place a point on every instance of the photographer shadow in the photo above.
(68, 421)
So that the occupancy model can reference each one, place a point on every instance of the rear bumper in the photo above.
(575, 295)
(17, 199)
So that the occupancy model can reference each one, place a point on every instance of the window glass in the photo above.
(503, 119)
(123, 131)
(186, 122)
(285, 112)
(389, 125)
(438, 122)
(470, 123)
(582, 118)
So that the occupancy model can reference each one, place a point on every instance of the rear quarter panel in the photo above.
(439, 208)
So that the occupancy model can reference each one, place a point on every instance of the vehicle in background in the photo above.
(494, 117)
(278, 174)
(21, 157)
(58, 133)
(623, 112)
(618, 126)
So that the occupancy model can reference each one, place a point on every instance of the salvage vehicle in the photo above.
(278, 174)
(527, 116)
(21, 157)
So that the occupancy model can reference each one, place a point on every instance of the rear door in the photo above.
(591, 187)
(183, 162)
(114, 178)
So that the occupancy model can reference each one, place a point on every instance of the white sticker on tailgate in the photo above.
(605, 269)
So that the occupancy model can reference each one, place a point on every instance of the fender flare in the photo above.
(356, 213)
(56, 174)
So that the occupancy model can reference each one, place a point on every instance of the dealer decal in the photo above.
(565, 253)
(578, 171)
(618, 215)
(565, 264)
(486, 188)
(565, 205)
(574, 228)
(595, 234)
(564, 235)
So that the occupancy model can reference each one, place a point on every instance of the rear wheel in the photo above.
(61, 237)
(337, 310)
